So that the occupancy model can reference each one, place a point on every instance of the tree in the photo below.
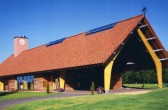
(142, 76)
(48, 88)
(92, 88)
(165, 75)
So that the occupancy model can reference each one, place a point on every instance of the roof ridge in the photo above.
(117, 22)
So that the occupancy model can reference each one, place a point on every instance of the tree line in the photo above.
(143, 76)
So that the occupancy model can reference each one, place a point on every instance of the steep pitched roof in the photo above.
(78, 50)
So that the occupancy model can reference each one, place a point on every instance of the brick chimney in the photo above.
(20, 44)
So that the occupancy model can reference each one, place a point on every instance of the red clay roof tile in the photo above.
(74, 51)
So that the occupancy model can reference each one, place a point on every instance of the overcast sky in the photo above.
(43, 21)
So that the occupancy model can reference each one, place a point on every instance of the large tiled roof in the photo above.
(77, 50)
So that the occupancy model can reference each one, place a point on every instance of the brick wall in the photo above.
(51, 83)
(38, 83)
(41, 81)
(116, 81)
(69, 87)
(12, 84)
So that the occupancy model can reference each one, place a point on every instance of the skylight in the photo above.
(99, 29)
(55, 42)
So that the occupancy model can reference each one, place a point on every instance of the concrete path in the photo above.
(4, 104)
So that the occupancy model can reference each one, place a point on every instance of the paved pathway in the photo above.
(4, 104)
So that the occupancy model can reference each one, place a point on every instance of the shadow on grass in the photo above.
(127, 87)
(144, 86)
(7, 93)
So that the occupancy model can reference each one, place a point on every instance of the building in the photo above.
(99, 55)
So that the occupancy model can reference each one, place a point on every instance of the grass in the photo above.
(146, 86)
(20, 95)
(155, 100)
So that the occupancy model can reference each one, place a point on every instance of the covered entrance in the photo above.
(139, 51)
(81, 79)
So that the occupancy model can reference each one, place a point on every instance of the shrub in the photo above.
(100, 90)
(48, 88)
(92, 88)
(60, 90)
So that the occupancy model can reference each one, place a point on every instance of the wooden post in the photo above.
(156, 60)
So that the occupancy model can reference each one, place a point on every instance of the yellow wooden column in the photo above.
(62, 79)
(1, 86)
(16, 85)
(156, 60)
(107, 74)
(25, 85)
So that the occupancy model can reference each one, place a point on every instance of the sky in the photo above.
(43, 21)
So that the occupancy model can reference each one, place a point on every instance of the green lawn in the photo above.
(19, 95)
(146, 86)
(155, 100)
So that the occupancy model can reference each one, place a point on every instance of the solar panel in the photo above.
(55, 42)
(99, 29)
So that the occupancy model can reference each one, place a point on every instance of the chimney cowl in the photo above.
(21, 37)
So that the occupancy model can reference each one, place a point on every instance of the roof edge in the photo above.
(131, 18)
(124, 40)
(58, 69)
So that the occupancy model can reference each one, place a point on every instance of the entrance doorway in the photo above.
(25, 82)
(81, 79)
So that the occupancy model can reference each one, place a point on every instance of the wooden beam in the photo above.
(130, 63)
(163, 59)
(143, 26)
(158, 50)
(156, 60)
(152, 38)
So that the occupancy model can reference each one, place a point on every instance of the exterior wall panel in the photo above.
(116, 81)
(12, 85)
(38, 83)
(51, 83)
